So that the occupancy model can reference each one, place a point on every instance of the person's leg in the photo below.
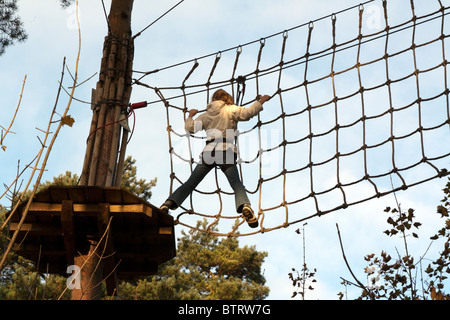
(240, 194)
(176, 198)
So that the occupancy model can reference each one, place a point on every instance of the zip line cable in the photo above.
(140, 32)
(106, 17)
(310, 23)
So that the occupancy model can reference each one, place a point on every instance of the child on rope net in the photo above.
(220, 123)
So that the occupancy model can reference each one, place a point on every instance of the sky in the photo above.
(200, 27)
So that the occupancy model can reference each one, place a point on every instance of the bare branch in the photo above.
(2, 138)
(345, 259)
(49, 148)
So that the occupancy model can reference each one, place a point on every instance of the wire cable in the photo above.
(106, 17)
(140, 32)
(310, 23)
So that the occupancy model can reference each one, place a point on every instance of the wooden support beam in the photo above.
(92, 209)
(35, 228)
(68, 230)
(90, 142)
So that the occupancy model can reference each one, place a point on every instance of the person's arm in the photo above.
(264, 99)
(191, 125)
(244, 114)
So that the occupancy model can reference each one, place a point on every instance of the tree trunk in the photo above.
(102, 164)
(103, 160)
(90, 275)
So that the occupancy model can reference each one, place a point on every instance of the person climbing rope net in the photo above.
(341, 131)
(220, 123)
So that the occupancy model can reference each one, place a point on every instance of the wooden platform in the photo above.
(62, 220)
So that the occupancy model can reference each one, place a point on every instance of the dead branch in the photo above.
(346, 262)
(8, 130)
(44, 163)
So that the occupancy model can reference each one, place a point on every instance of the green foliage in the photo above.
(207, 268)
(66, 3)
(3, 239)
(11, 27)
(139, 187)
(19, 281)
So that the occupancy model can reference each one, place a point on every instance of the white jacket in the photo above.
(220, 123)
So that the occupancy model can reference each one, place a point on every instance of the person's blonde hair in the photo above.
(223, 96)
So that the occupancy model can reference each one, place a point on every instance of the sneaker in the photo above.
(169, 204)
(250, 216)
(164, 209)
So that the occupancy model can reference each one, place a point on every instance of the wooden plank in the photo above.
(45, 207)
(121, 159)
(132, 208)
(129, 198)
(34, 228)
(94, 195)
(148, 211)
(58, 194)
(68, 230)
(90, 144)
(55, 208)
(43, 196)
(166, 230)
(115, 138)
(77, 194)
(85, 208)
(113, 195)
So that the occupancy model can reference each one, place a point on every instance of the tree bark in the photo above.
(90, 275)
(102, 166)
(112, 95)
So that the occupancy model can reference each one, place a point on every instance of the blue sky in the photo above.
(200, 27)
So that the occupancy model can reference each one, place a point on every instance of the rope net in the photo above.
(359, 109)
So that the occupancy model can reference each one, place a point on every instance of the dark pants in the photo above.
(200, 171)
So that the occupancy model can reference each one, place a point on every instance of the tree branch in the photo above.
(2, 138)
(346, 262)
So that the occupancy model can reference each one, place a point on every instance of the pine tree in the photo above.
(11, 27)
(205, 268)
